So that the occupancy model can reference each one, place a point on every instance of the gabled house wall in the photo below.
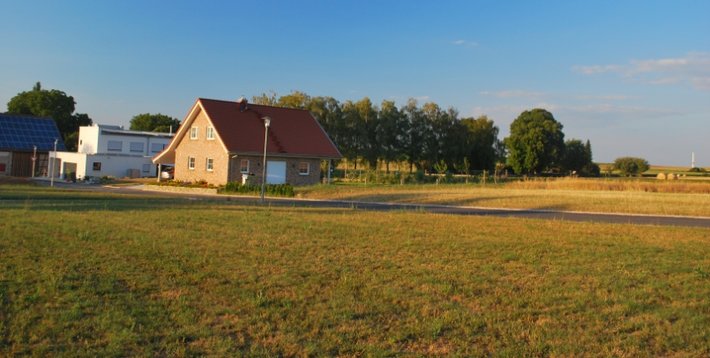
(201, 149)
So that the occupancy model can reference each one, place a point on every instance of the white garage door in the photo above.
(275, 172)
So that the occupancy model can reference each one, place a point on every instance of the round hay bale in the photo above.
(671, 176)
(661, 176)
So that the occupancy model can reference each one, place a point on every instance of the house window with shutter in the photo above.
(244, 166)
(304, 168)
(115, 146)
(136, 147)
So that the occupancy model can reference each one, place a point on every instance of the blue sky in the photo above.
(633, 77)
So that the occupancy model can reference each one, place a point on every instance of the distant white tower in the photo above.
(692, 160)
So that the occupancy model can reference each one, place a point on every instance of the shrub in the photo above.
(630, 166)
(270, 189)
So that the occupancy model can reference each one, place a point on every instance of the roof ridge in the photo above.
(252, 104)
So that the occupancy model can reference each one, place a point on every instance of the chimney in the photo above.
(242, 104)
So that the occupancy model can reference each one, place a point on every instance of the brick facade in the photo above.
(201, 149)
(293, 176)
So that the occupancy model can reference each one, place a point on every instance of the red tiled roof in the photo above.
(292, 132)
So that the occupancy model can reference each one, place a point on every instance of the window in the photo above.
(244, 166)
(304, 168)
(193, 133)
(136, 147)
(210, 133)
(115, 145)
(209, 165)
(191, 163)
(97, 166)
(147, 168)
(156, 147)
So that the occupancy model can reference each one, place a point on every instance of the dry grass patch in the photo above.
(600, 195)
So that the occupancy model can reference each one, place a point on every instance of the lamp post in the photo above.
(34, 159)
(267, 122)
(54, 164)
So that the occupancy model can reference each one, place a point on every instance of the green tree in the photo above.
(54, 104)
(415, 129)
(578, 158)
(575, 156)
(536, 142)
(295, 99)
(268, 99)
(390, 133)
(630, 166)
(154, 123)
(368, 118)
(481, 142)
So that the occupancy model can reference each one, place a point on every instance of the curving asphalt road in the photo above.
(638, 219)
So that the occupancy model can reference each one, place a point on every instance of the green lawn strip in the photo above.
(213, 279)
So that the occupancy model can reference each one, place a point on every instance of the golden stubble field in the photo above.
(589, 195)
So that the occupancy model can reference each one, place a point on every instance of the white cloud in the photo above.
(513, 94)
(595, 69)
(693, 69)
(608, 97)
(464, 43)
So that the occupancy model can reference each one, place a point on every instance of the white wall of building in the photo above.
(112, 139)
(112, 151)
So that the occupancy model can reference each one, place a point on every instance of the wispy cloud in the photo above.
(513, 94)
(606, 97)
(693, 69)
(596, 69)
(464, 43)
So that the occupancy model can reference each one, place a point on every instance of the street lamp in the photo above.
(54, 164)
(267, 122)
(34, 159)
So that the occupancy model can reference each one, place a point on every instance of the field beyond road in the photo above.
(583, 195)
(91, 274)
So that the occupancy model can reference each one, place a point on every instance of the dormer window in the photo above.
(194, 131)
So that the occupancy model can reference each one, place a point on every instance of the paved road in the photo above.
(441, 209)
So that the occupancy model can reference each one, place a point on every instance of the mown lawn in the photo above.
(95, 275)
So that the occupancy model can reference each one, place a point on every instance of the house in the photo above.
(223, 141)
(25, 143)
(106, 150)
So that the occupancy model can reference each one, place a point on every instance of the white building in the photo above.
(112, 151)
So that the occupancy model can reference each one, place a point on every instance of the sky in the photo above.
(633, 77)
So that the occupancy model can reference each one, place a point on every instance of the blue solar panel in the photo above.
(22, 133)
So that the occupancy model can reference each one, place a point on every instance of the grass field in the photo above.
(85, 274)
(596, 195)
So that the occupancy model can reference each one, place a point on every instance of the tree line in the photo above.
(430, 138)
(426, 137)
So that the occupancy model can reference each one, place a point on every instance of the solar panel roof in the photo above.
(21, 133)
